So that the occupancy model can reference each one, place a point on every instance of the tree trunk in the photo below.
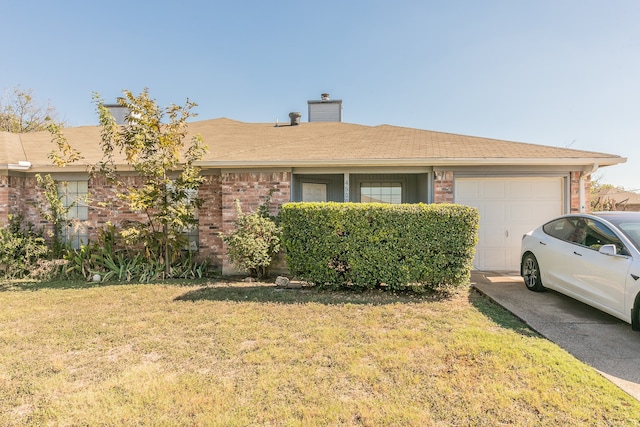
(167, 266)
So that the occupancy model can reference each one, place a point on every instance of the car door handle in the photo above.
(577, 253)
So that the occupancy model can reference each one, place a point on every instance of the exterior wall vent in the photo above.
(325, 110)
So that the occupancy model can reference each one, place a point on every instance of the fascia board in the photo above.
(601, 161)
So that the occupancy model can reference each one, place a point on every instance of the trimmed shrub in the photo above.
(367, 245)
(254, 242)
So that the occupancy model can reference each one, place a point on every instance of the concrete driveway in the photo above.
(598, 339)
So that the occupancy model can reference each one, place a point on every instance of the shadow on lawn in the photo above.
(498, 314)
(24, 285)
(29, 285)
(268, 292)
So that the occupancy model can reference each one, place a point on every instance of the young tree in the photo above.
(20, 113)
(157, 152)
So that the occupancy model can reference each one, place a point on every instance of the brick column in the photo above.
(210, 220)
(575, 192)
(443, 187)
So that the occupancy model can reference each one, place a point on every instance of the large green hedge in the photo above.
(369, 244)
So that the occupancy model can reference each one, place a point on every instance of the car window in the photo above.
(598, 234)
(632, 231)
(580, 230)
(560, 228)
(585, 232)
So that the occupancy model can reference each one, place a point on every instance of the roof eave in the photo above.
(599, 161)
(407, 162)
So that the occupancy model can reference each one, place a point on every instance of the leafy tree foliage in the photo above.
(21, 248)
(20, 113)
(152, 143)
(254, 242)
(603, 203)
(54, 211)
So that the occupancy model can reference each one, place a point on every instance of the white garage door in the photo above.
(509, 207)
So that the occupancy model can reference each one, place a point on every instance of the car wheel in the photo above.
(635, 314)
(531, 273)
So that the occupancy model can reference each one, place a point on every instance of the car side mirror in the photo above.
(608, 250)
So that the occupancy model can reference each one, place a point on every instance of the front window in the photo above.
(192, 232)
(73, 195)
(314, 192)
(381, 192)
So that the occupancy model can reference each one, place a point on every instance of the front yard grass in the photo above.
(239, 354)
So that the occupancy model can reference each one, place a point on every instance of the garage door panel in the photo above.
(544, 212)
(546, 189)
(508, 207)
(492, 190)
(493, 236)
(469, 191)
(520, 190)
(493, 257)
(519, 212)
(490, 214)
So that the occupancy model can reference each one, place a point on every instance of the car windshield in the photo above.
(629, 227)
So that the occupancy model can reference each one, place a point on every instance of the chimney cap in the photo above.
(324, 97)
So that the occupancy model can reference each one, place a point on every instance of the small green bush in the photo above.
(367, 245)
(21, 249)
(254, 242)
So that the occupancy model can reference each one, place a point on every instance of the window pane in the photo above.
(82, 212)
(314, 192)
(192, 233)
(72, 195)
(381, 192)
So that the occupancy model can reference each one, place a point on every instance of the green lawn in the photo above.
(238, 354)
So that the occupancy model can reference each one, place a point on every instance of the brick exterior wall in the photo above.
(251, 189)
(210, 220)
(443, 187)
(575, 193)
(20, 194)
(104, 205)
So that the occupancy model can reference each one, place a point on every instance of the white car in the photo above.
(594, 258)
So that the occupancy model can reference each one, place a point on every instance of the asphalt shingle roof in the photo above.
(237, 144)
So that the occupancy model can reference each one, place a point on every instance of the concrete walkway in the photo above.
(599, 340)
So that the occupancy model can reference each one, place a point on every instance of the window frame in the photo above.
(74, 200)
(391, 184)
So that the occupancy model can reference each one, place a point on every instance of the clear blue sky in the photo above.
(555, 72)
